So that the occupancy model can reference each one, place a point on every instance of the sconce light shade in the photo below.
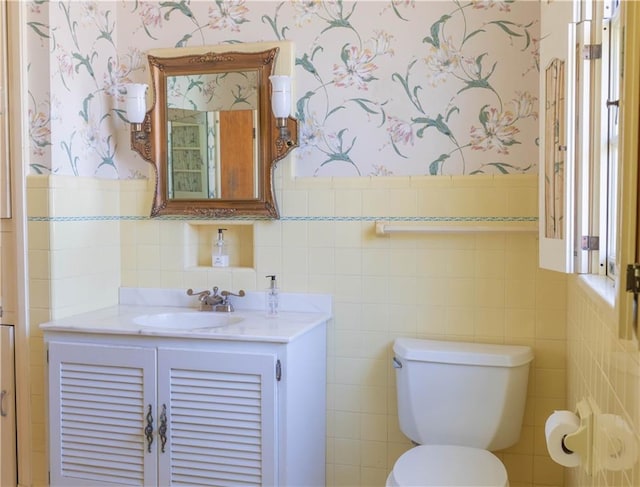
(136, 102)
(280, 95)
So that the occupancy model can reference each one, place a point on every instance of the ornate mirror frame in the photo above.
(151, 142)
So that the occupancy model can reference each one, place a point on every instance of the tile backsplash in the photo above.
(483, 287)
(604, 368)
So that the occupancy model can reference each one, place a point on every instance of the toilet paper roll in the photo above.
(559, 425)
(616, 446)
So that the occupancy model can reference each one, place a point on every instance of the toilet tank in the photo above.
(458, 393)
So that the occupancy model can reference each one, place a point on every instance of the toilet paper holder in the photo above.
(581, 441)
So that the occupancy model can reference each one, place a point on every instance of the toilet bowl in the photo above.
(458, 401)
(447, 466)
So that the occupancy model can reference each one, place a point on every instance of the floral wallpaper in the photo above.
(396, 87)
(213, 92)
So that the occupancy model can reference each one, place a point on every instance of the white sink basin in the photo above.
(186, 320)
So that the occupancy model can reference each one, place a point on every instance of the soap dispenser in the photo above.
(219, 255)
(272, 297)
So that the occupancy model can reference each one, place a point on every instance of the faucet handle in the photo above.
(202, 295)
(229, 293)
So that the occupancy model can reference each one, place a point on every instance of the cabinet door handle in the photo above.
(148, 430)
(3, 412)
(162, 429)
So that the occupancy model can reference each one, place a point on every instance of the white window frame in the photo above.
(591, 181)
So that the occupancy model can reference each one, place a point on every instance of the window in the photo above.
(611, 72)
(593, 51)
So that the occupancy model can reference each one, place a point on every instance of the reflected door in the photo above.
(188, 160)
(238, 168)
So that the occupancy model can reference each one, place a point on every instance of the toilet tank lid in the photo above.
(448, 352)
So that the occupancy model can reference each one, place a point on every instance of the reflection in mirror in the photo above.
(213, 136)
(211, 133)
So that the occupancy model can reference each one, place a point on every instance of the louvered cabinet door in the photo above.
(99, 399)
(221, 418)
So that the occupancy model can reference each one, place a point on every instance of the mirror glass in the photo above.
(211, 134)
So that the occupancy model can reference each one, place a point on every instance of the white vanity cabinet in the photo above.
(153, 411)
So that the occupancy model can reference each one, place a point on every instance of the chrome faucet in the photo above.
(215, 302)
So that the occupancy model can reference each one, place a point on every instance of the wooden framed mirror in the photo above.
(211, 134)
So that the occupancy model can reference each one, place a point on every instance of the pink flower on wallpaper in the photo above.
(497, 131)
(356, 70)
(228, 15)
(442, 61)
(209, 89)
(305, 10)
(39, 131)
(382, 43)
(400, 131)
(525, 105)
(151, 14)
(65, 63)
(115, 77)
(34, 7)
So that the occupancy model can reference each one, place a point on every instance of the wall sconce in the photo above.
(136, 105)
(281, 104)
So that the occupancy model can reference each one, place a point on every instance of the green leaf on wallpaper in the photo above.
(363, 102)
(84, 113)
(333, 110)
(341, 155)
(39, 28)
(146, 29)
(437, 123)
(434, 39)
(395, 9)
(502, 167)
(483, 116)
(505, 24)
(344, 54)
(73, 161)
(40, 169)
(121, 114)
(106, 32)
(412, 94)
(195, 83)
(481, 81)
(183, 42)
(86, 62)
(435, 165)
(274, 24)
(306, 64)
(338, 23)
(107, 159)
(72, 25)
(341, 21)
(469, 36)
(397, 151)
(453, 110)
(179, 6)
(300, 115)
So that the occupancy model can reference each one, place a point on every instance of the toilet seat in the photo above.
(448, 465)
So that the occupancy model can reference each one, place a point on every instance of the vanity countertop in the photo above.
(300, 315)
(254, 325)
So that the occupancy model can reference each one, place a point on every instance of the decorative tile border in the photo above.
(438, 219)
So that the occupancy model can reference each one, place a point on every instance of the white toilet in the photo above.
(457, 401)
